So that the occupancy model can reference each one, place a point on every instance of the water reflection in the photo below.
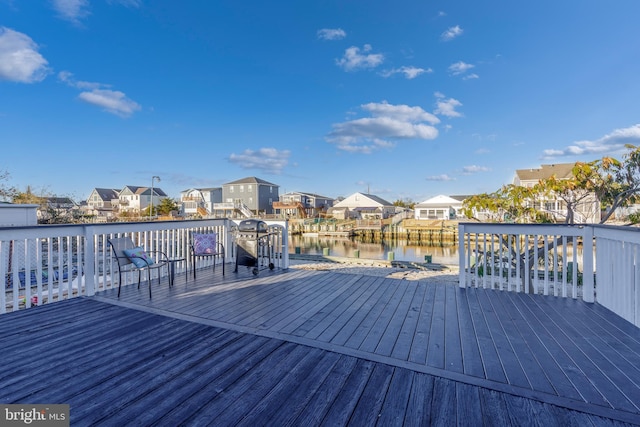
(348, 247)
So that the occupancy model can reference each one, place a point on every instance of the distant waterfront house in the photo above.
(137, 199)
(302, 205)
(58, 209)
(362, 206)
(440, 207)
(199, 201)
(586, 210)
(102, 203)
(103, 198)
(249, 195)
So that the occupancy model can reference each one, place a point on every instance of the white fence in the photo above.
(596, 263)
(42, 264)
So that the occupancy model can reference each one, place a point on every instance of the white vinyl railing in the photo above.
(43, 264)
(596, 263)
(618, 270)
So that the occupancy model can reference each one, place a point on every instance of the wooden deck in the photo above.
(323, 348)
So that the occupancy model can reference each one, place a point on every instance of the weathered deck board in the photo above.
(323, 348)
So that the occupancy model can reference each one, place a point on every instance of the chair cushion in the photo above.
(138, 257)
(204, 244)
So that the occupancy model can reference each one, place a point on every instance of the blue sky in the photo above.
(404, 99)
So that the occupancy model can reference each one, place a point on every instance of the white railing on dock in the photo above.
(596, 263)
(43, 264)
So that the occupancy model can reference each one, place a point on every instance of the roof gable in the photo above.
(440, 200)
(361, 200)
(251, 180)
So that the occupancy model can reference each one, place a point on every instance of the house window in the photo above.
(242, 188)
(231, 189)
(271, 189)
(249, 187)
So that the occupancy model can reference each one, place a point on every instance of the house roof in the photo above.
(361, 200)
(107, 194)
(461, 198)
(251, 180)
(440, 200)
(561, 171)
(156, 190)
(60, 200)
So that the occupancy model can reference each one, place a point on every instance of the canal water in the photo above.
(349, 247)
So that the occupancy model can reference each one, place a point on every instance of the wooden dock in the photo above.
(308, 348)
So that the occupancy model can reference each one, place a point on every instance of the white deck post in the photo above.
(588, 294)
(89, 261)
(462, 274)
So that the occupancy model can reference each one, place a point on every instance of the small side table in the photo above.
(172, 269)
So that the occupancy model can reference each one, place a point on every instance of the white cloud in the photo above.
(353, 60)
(112, 101)
(460, 67)
(267, 160)
(447, 107)
(387, 123)
(67, 77)
(610, 143)
(71, 10)
(20, 60)
(443, 177)
(331, 34)
(468, 170)
(127, 3)
(403, 113)
(409, 72)
(471, 76)
(452, 33)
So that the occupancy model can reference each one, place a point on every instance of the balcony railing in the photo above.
(596, 263)
(43, 264)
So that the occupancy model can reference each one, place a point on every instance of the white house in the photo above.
(587, 210)
(137, 199)
(440, 207)
(200, 201)
(362, 206)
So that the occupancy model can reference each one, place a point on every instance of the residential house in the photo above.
(137, 199)
(302, 205)
(362, 206)
(587, 209)
(102, 203)
(58, 209)
(249, 196)
(440, 207)
(101, 198)
(199, 201)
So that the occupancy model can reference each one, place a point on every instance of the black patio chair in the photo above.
(130, 257)
(206, 245)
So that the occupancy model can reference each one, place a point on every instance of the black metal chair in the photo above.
(206, 245)
(155, 261)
